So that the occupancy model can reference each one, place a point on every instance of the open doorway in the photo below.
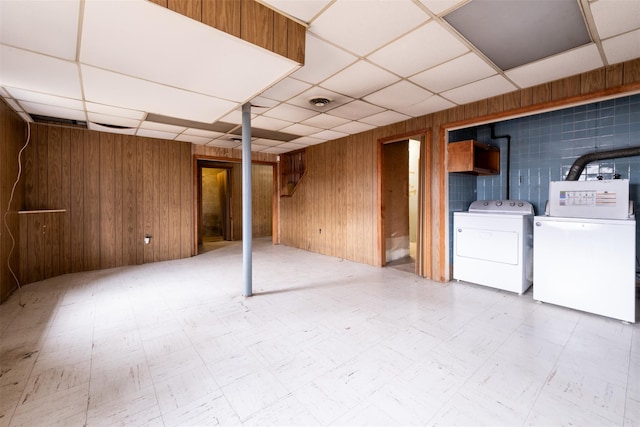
(400, 203)
(214, 207)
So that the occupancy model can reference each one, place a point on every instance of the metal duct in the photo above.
(578, 166)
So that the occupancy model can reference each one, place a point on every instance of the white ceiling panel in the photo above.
(556, 67)
(328, 135)
(149, 133)
(203, 133)
(385, 118)
(49, 27)
(308, 141)
(325, 121)
(266, 142)
(100, 128)
(260, 102)
(352, 81)
(126, 37)
(43, 98)
(270, 123)
(322, 60)
(303, 10)
(258, 147)
(353, 127)
(300, 129)
(162, 127)
(106, 119)
(53, 111)
(356, 110)
(622, 48)
(225, 143)
(613, 17)
(430, 105)
(290, 113)
(114, 111)
(287, 88)
(457, 72)
(235, 116)
(440, 6)
(38, 73)
(363, 26)
(290, 146)
(199, 140)
(486, 88)
(428, 46)
(277, 150)
(399, 95)
(105, 87)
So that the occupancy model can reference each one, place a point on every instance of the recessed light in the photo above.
(320, 102)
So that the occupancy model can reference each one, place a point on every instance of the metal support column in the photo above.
(247, 227)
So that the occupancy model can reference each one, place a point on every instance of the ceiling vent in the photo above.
(59, 121)
(320, 102)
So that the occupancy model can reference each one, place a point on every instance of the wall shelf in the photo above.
(473, 157)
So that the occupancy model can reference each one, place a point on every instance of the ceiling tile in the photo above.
(267, 142)
(49, 27)
(270, 123)
(308, 141)
(105, 87)
(613, 17)
(398, 95)
(38, 73)
(128, 36)
(199, 140)
(433, 42)
(328, 135)
(104, 119)
(53, 111)
(556, 67)
(100, 128)
(299, 129)
(622, 48)
(481, 89)
(235, 117)
(203, 133)
(162, 127)
(385, 118)
(260, 102)
(258, 147)
(301, 10)
(356, 110)
(276, 150)
(363, 26)
(430, 105)
(322, 60)
(440, 6)
(225, 143)
(286, 89)
(353, 127)
(156, 134)
(325, 121)
(114, 111)
(290, 146)
(42, 98)
(291, 113)
(352, 81)
(457, 72)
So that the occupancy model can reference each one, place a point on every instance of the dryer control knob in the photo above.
(459, 230)
(498, 203)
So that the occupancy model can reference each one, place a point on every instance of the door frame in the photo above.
(196, 197)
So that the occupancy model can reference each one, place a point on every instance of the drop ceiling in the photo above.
(137, 68)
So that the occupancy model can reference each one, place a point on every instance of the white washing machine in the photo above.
(493, 244)
(585, 250)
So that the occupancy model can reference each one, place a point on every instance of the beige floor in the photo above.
(323, 342)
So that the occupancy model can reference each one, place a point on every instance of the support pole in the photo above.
(247, 227)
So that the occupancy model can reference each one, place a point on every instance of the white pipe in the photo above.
(247, 228)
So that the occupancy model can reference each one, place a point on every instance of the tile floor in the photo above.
(323, 342)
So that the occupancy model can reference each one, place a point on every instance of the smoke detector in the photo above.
(320, 102)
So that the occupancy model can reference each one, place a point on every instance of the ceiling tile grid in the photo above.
(111, 64)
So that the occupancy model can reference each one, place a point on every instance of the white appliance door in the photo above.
(586, 264)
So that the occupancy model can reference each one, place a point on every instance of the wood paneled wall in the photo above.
(249, 20)
(115, 190)
(13, 135)
(339, 192)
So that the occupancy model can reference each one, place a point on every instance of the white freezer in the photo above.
(586, 264)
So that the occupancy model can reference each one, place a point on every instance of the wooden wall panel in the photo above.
(114, 190)
(256, 24)
(223, 15)
(189, 8)
(13, 135)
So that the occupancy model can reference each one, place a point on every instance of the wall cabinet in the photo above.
(293, 166)
(473, 157)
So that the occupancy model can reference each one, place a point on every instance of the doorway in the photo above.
(214, 207)
(400, 182)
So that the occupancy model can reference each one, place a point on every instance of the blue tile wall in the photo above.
(543, 148)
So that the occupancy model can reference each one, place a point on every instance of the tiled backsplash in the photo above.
(543, 148)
